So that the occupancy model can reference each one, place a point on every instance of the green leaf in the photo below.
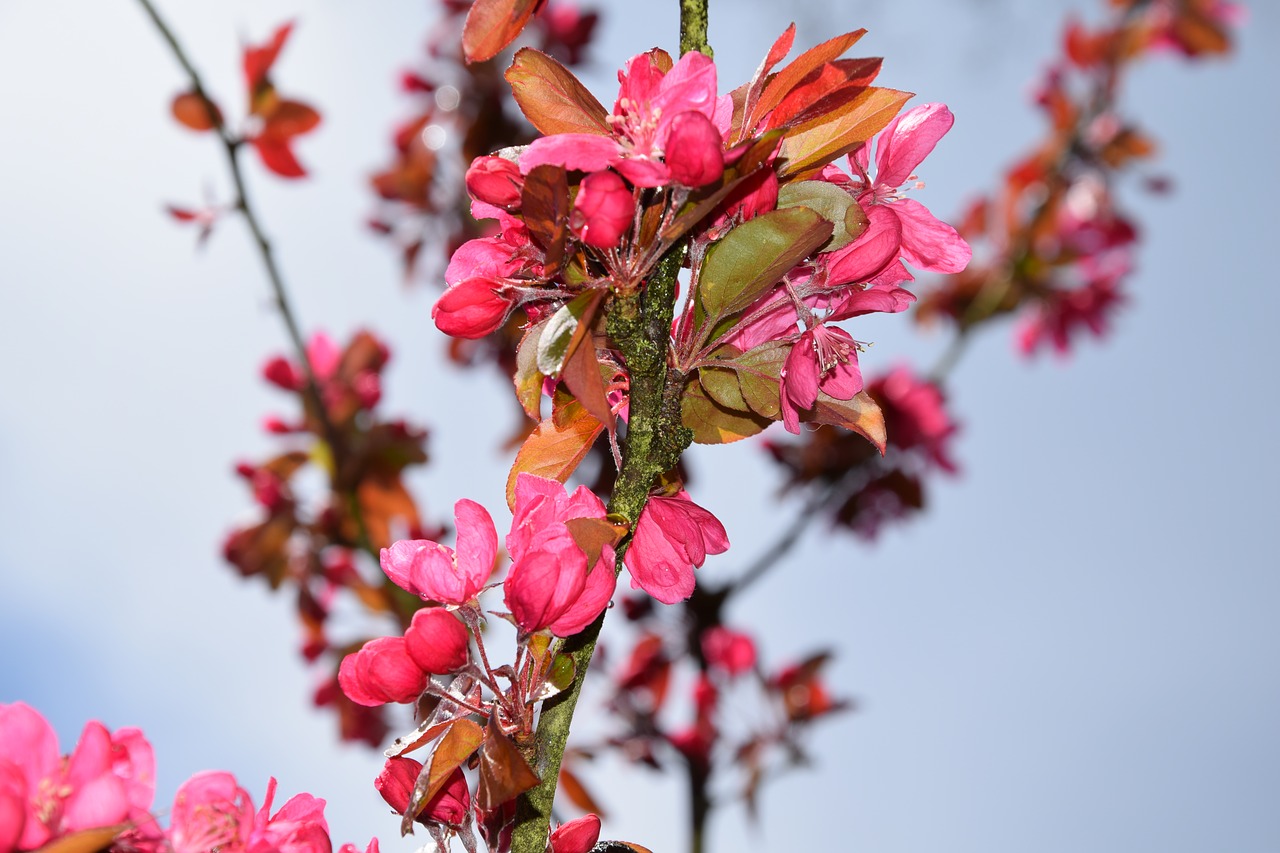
(528, 378)
(712, 423)
(754, 256)
(561, 330)
(832, 203)
(721, 385)
(758, 377)
(551, 98)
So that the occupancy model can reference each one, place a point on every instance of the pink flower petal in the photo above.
(477, 546)
(928, 243)
(437, 641)
(908, 139)
(585, 152)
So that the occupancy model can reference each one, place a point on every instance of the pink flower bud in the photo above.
(496, 181)
(603, 211)
(395, 782)
(449, 806)
(280, 371)
(576, 836)
(694, 151)
(381, 672)
(472, 308)
(437, 641)
(546, 581)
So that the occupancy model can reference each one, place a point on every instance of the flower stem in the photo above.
(639, 324)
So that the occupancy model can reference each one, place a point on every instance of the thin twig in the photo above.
(231, 146)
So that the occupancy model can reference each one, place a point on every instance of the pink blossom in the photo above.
(13, 805)
(351, 848)
(496, 181)
(672, 537)
(927, 243)
(576, 836)
(915, 415)
(550, 586)
(211, 812)
(653, 133)
(603, 210)
(439, 573)
(437, 641)
(730, 652)
(826, 358)
(107, 780)
(298, 827)
(381, 672)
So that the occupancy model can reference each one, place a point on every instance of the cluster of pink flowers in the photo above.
(105, 788)
(554, 584)
(855, 277)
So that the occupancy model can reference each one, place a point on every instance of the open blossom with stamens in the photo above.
(927, 242)
(666, 127)
(107, 780)
(825, 357)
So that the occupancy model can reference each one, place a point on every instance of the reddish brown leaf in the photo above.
(462, 738)
(747, 96)
(785, 80)
(278, 157)
(814, 144)
(551, 98)
(591, 535)
(196, 112)
(504, 772)
(544, 205)
(492, 25)
(571, 786)
(861, 415)
(823, 91)
(258, 60)
(555, 449)
(385, 504)
(289, 118)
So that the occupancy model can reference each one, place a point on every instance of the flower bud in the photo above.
(694, 151)
(603, 210)
(496, 181)
(436, 641)
(472, 308)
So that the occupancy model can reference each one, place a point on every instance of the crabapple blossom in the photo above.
(672, 537)
(654, 136)
(439, 573)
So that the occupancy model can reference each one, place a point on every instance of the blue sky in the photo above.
(1074, 650)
